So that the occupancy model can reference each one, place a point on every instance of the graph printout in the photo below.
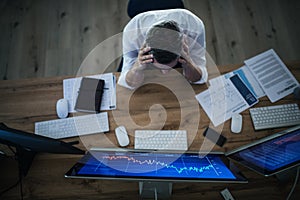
(225, 97)
(156, 165)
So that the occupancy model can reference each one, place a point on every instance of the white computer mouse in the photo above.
(62, 108)
(236, 123)
(122, 136)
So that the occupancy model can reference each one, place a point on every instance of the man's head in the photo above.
(165, 41)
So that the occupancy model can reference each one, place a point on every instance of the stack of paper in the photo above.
(264, 74)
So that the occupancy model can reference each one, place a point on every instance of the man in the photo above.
(163, 39)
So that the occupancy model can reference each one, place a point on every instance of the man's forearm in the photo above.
(135, 77)
(192, 73)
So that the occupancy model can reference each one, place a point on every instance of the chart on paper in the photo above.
(221, 100)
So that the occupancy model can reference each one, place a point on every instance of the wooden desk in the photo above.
(24, 102)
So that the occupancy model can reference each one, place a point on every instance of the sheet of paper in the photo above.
(272, 74)
(71, 88)
(246, 75)
(221, 100)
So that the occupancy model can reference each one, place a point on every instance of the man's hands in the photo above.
(191, 71)
(143, 57)
(185, 58)
(135, 76)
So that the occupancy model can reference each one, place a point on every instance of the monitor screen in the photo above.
(155, 165)
(28, 144)
(271, 155)
(35, 143)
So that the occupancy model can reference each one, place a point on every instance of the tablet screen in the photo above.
(272, 155)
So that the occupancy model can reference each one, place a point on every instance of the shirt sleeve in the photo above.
(130, 52)
(128, 61)
(197, 48)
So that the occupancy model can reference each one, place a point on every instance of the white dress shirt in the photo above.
(135, 33)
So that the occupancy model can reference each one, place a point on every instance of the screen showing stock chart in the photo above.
(273, 155)
(155, 165)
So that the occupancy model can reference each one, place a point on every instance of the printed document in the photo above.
(71, 87)
(224, 97)
(246, 75)
(272, 74)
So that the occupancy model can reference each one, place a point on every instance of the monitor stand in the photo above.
(155, 190)
(24, 159)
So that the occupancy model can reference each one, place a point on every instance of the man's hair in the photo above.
(165, 41)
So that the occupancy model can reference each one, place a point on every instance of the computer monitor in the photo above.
(132, 164)
(156, 171)
(28, 144)
(155, 167)
(271, 155)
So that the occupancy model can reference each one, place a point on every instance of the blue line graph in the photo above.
(156, 165)
(163, 164)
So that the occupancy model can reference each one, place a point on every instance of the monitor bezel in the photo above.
(232, 155)
(240, 178)
(27, 145)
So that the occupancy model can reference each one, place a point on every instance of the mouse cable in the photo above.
(294, 185)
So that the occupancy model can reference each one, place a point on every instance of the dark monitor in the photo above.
(155, 166)
(271, 155)
(28, 144)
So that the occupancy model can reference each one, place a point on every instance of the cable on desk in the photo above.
(19, 180)
(21, 185)
(11, 187)
(294, 185)
(14, 185)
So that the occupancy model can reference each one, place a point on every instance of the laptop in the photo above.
(271, 155)
(143, 165)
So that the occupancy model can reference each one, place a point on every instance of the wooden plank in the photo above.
(288, 28)
(227, 32)
(264, 25)
(53, 37)
(203, 10)
(17, 11)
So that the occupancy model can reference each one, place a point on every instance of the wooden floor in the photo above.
(42, 38)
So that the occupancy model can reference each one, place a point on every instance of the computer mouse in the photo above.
(236, 123)
(62, 108)
(122, 136)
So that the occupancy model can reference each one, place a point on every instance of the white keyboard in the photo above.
(161, 139)
(275, 116)
(73, 126)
